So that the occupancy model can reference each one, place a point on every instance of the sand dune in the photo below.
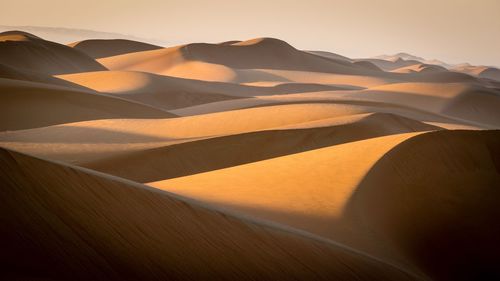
(221, 152)
(159, 91)
(389, 65)
(480, 71)
(331, 55)
(422, 67)
(27, 52)
(428, 102)
(244, 160)
(409, 57)
(92, 140)
(440, 189)
(336, 193)
(458, 100)
(28, 105)
(172, 92)
(203, 59)
(69, 231)
(16, 74)
(100, 48)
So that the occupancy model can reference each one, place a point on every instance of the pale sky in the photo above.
(451, 30)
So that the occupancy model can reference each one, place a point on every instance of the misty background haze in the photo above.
(454, 31)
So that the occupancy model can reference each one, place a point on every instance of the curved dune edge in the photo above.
(368, 195)
(79, 224)
(436, 197)
(196, 156)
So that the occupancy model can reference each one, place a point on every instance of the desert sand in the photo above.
(244, 160)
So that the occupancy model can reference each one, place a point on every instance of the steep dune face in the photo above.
(100, 48)
(64, 223)
(436, 197)
(28, 105)
(28, 52)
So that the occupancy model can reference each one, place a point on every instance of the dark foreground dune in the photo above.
(67, 223)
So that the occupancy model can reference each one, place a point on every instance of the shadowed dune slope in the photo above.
(100, 48)
(436, 197)
(28, 52)
(64, 223)
(222, 152)
(428, 201)
(28, 105)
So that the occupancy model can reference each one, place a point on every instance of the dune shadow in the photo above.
(436, 197)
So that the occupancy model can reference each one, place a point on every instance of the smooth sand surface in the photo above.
(244, 160)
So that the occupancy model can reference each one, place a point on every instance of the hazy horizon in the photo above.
(452, 31)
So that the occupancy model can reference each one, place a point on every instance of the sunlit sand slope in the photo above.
(64, 223)
(388, 196)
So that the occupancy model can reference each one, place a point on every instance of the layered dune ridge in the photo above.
(244, 160)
